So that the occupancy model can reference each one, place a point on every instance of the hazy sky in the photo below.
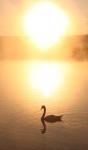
(11, 12)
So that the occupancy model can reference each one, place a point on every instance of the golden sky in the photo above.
(11, 13)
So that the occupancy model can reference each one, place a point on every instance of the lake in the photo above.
(27, 85)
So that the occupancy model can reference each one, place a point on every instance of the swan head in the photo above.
(43, 107)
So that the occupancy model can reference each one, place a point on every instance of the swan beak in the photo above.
(41, 108)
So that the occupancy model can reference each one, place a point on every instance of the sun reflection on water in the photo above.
(46, 77)
(34, 83)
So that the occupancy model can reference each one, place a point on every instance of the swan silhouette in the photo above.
(50, 118)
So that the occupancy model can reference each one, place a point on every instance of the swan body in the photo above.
(50, 118)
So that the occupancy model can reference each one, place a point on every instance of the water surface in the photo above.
(21, 100)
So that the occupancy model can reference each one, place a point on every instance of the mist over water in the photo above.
(20, 104)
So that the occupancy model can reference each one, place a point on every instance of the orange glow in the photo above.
(45, 23)
(46, 77)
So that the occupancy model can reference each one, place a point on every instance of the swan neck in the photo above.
(44, 113)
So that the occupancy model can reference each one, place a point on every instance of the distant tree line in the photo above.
(80, 50)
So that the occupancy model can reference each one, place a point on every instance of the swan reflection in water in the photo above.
(49, 118)
(43, 130)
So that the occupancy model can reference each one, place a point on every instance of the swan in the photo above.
(50, 118)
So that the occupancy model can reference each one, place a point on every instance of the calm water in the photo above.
(62, 87)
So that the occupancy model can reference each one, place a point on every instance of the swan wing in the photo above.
(53, 118)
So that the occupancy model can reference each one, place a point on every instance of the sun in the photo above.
(45, 23)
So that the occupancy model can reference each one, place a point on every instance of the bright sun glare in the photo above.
(46, 77)
(45, 23)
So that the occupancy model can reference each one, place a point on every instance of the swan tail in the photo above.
(60, 117)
